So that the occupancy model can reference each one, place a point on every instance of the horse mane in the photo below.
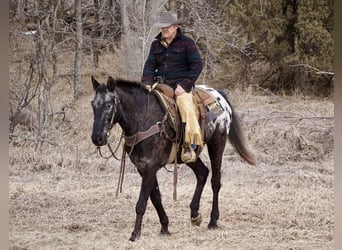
(127, 83)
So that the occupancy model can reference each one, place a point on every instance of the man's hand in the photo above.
(179, 90)
(148, 87)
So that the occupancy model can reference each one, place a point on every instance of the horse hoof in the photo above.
(197, 220)
(212, 226)
(165, 232)
(133, 237)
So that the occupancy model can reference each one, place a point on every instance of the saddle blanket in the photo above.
(214, 105)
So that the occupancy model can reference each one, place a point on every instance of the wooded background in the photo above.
(274, 58)
(284, 46)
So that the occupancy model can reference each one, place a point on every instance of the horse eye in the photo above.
(108, 106)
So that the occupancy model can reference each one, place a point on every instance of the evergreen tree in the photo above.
(293, 42)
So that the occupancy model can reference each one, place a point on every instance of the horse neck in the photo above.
(133, 109)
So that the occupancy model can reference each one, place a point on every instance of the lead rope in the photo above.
(175, 173)
(121, 173)
(175, 179)
(117, 147)
(175, 167)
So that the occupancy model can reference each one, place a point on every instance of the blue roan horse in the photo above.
(135, 109)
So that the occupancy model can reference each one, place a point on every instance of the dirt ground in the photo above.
(65, 196)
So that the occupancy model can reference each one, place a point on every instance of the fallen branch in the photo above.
(311, 68)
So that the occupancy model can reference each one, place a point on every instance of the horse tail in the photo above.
(236, 135)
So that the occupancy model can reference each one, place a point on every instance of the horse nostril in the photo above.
(99, 140)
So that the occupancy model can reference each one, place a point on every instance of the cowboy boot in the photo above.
(188, 154)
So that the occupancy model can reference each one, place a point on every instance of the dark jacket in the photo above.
(179, 63)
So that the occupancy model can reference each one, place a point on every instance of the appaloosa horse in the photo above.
(135, 109)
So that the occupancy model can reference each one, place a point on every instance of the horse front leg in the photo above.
(140, 208)
(201, 172)
(157, 203)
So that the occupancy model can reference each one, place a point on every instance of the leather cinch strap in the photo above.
(140, 136)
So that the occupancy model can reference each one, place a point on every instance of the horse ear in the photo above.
(95, 83)
(110, 84)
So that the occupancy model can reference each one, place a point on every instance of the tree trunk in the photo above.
(43, 84)
(129, 45)
(95, 34)
(78, 54)
(53, 41)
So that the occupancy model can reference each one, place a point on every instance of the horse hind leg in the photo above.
(215, 150)
(201, 173)
(157, 203)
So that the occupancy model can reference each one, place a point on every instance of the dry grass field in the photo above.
(65, 196)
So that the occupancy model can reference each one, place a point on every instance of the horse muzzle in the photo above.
(99, 139)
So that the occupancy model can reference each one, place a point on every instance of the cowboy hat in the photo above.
(167, 18)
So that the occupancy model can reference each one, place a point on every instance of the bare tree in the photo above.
(43, 82)
(138, 33)
(22, 97)
(78, 54)
(95, 34)
(220, 41)
(127, 41)
(53, 13)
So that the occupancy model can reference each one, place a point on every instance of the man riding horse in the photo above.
(174, 60)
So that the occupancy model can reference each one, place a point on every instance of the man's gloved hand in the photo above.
(179, 90)
(149, 87)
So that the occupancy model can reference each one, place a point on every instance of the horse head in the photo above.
(104, 107)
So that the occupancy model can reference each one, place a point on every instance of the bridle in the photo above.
(113, 152)
(111, 124)
(116, 102)
(134, 139)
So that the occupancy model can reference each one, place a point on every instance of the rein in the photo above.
(111, 150)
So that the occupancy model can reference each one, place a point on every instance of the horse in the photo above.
(135, 109)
